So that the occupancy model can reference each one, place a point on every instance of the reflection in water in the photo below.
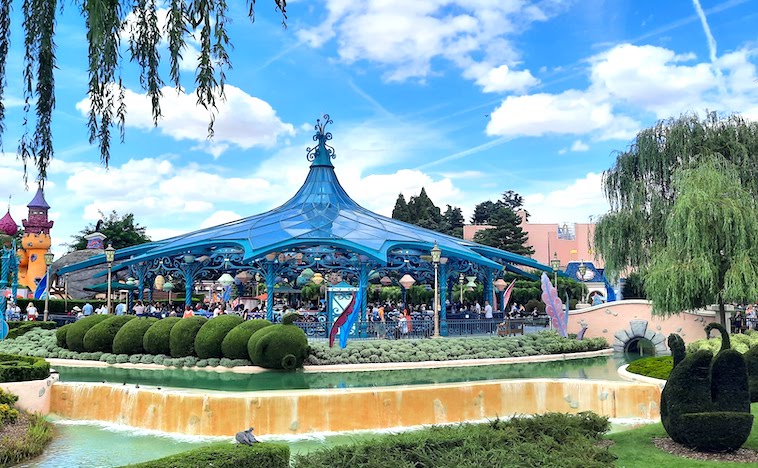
(598, 368)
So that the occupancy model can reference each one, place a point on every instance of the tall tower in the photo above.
(35, 242)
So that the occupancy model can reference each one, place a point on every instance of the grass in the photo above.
(634, 448)
(29, 444)
(656, 367)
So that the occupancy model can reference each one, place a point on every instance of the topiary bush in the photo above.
(182, 336)
(156, 340)
(60, 335)
(129, 339)
(15, 368)
(77, 330)
(100, 337)
(211, 335)
(751, 359)
(26, 326)
(225, 455)
(656, 367)
(282, 346)
(234, 345)
(705, 404)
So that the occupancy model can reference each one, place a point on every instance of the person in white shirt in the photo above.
(488, 315)
(31, 311)
(477, 308)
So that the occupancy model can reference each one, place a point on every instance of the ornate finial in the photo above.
(322, 153)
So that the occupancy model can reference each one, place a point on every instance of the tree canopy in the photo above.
(120, 231)
(106, 21)
(421, 211)
(506, 232)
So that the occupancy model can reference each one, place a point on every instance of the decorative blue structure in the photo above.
(322, 228)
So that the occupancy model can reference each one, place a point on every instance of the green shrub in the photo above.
(751, 359)
(234, 345)
(182, 336)
(100, 337)
(656, 367)
(60, 335)
(129, 339)
(26, 326)
(14, 368)
(77, 330)
(225, 455)
(211, 335)
(7, 398)
(282, 346)
(29, 444)
(156, 340)
(7, 414)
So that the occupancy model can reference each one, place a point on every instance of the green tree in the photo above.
(711, 247)
(424, 212)
(483, 212)
(105, 21)
(121, 232)
(400, 212)
(634, 287)
(639, 186)
(506, 232)
(452, 222)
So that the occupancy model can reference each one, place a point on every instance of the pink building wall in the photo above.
(545, 241)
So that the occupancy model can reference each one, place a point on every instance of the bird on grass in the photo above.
(246, 437)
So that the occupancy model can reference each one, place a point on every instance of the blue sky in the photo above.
(468, 98)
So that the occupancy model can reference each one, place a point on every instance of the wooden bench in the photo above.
(510, 327)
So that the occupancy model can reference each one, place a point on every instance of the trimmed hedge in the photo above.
(77, 330)
(182, 336)
(657, 367)
(14, 368)
(60, 335)
(225, 455)
(282, 346)
(26, 326)
(156, 339)
(129, 338)
(211, 335)
(234, 345)
(100, 337)
(751, 359)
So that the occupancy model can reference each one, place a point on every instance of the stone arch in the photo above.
(639, 329)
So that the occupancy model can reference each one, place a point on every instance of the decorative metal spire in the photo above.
(321, 154)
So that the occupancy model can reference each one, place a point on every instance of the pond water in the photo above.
(597, 368)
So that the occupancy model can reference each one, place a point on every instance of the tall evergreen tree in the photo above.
(400, 212)
(424, 212)
(506, 233)
(452, 222)
(483, 212)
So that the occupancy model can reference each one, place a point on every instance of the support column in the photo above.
(443, 299)
(363, 290)
(270, 277)
(488, 285)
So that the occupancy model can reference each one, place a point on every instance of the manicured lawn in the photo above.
(634, 448)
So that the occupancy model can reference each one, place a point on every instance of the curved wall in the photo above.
(336, 410)
(33, 395)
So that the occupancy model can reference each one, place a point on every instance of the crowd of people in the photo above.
(744, 320)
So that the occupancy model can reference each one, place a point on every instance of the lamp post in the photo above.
(110, 254)
(461, 280)
(168, 286)
(48, 261)
(582, 269)
(436, 253)
(555, 264)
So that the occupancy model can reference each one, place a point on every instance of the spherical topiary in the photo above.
(182, 336)
(234, 345)
(77, 330)
(60, 335)
(128, 340)
(156, 340)
(211, 335)
(100, 337)
(283, 346)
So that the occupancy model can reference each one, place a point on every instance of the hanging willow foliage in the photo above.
(640, 185)
(106, 21)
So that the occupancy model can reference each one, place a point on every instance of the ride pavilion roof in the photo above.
(321, 216)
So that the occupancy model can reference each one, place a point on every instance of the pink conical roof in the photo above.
(8, 225)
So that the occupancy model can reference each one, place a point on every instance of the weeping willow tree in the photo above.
(107, 21)
(641, 185)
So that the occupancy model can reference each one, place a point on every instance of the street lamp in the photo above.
(436, 253)
(48, 261)
(168, 286)
(110, 254)
(555, 264)
(317, 279)
(461, 280)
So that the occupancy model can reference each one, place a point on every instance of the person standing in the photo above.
(488, 315)
(31, 311)
(139, 309)
(87, 309)
(120, 308)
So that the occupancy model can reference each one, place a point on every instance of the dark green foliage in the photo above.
(157, 337)
(182, 336)
(211, 335)
(234, 345)
(678, 351)
(634, 287)
(655, 367)
(705, 404)
(422, 212)
(225, 455)
(60, 335)
(550, 440)
(7, 398)
(281, 346)
(506, 232)
(15, 368)
(129, 340)
(26, 326)
(100, 337)
(77, 330)
(121, 231)
(751, 359)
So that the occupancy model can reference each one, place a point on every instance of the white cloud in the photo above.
(219, 217)
(579, 145)
(241, 120)
(406, 37)
(578, 200)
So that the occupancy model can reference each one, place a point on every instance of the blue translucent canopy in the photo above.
(320, 214)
